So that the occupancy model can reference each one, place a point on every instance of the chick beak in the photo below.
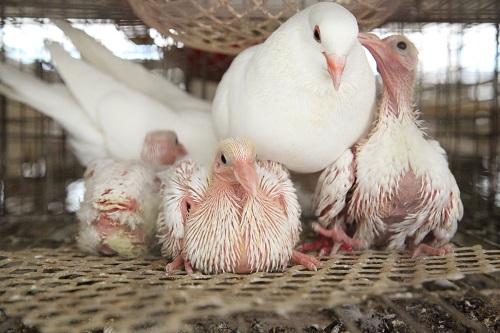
(181, 150)
(246, 175)
(372, 42)
(336, 65)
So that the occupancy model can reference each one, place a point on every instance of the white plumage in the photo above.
(85, 138)
(240, 216)
(135, 76)
(125, 115)
(403, 193)
(303, 96)
(105, 117)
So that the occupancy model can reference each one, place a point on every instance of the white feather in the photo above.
(125, 115)
(135, 76)
(54, 100)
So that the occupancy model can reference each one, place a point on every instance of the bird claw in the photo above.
(338, 238)
(177, 262)
(188, 268)
(322, 243)
(174, 264)
(433, 251)
(306, 260)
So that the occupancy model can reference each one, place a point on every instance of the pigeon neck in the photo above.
(397, 96)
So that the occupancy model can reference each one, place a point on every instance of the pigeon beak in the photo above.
(336, 65)
(372, 42)
(181, 150)
(246, 175)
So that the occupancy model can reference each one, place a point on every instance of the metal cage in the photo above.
(47, 285)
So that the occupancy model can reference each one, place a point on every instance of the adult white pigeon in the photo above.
(85, 138)
(403, 194)
(134, 75)
(239, 216)
(125, 116)
(303, 96)
(120, 206)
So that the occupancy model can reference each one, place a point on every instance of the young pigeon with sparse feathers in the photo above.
(120, 207)
(395, 189)
(303, 96)
(240, 216)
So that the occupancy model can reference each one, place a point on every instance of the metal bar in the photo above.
(495, 125)
(3, 124)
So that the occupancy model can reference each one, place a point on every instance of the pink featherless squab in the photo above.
(395, 189)
(240, 216)
(120, 206)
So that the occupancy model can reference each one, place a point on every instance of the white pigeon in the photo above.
(125, 116)
(119, 209)
(395, 189)
(85, 138)
(133, 75)
(303, 96)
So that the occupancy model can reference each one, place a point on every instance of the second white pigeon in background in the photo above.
(120, 206)
(135, 76)
(85, 138)
(303, 96)
(125, 116)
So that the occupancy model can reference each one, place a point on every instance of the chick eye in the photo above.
(223, 159)
(176, 141)
(317, 36)
(401, 45)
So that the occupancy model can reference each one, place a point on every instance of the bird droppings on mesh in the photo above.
(54, 288)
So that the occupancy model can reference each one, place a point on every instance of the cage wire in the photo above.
(52, 287)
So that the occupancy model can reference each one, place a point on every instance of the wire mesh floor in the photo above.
(52, 286)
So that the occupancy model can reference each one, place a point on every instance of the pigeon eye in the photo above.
(223, 159)
(317, 36)
(401, 45)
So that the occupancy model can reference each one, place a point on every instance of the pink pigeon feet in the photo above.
(433, 251)
(338, 237)
(177, 262)
(321, 243)
(306, 260)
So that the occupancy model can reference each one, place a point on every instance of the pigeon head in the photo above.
(397, 60)
(235, 162)
(161, 147)
(333, 32)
